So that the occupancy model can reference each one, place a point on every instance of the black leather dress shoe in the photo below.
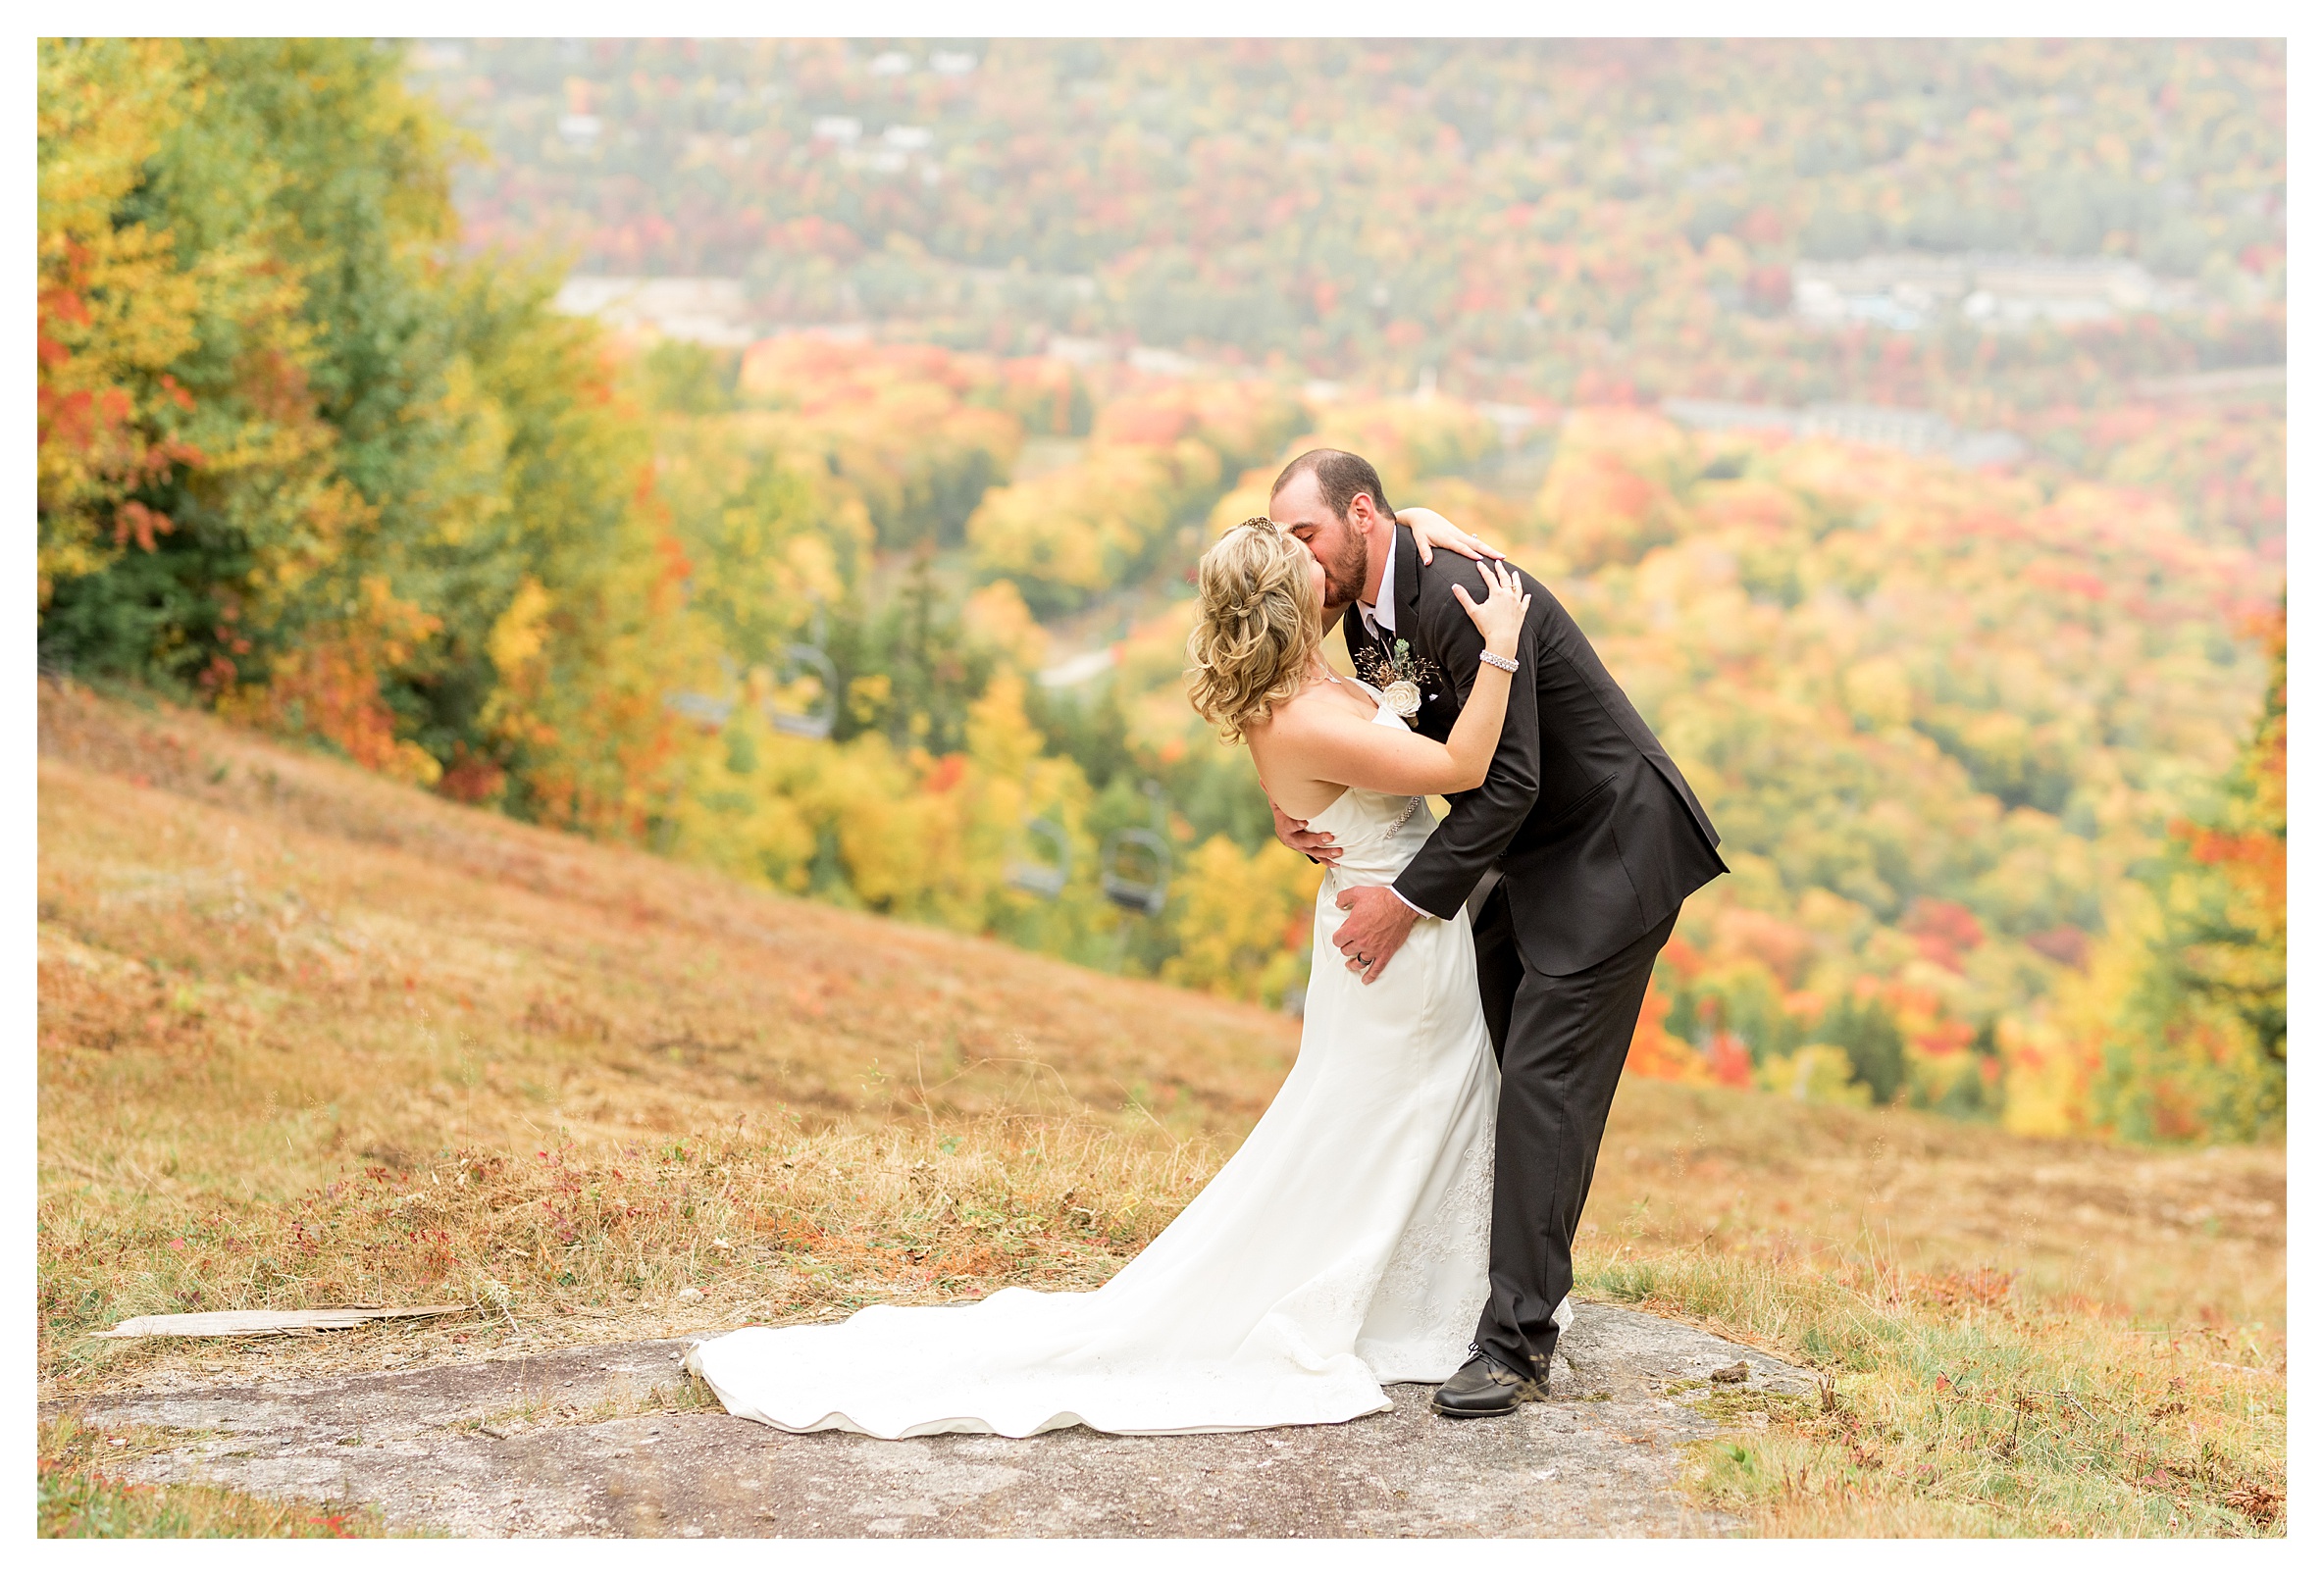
(1481, 1388)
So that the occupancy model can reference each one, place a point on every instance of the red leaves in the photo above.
(1944, 931)
(2065, 944)
(1729, 1060)
(470, 778)
(66, 306)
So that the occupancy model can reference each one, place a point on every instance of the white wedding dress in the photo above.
(1343, 1247)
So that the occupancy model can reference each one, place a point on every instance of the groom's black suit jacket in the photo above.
(1597, 836)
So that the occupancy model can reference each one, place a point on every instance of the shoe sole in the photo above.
(1460, 1414)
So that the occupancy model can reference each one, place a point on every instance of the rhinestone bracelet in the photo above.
(1505, 663)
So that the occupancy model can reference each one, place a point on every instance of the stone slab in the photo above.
(581, 1443)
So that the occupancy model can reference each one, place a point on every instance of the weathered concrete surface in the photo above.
(583, 1442)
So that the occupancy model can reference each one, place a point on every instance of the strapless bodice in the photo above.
(1377, 833)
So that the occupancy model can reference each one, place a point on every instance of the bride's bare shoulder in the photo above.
(1315, 706)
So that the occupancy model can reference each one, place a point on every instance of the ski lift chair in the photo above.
(709, 710)
(1143, 885)
(1044, 879)
(798, 661)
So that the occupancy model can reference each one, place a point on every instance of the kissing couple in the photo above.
(1404, 1211)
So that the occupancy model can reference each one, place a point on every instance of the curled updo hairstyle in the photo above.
(1259, 630)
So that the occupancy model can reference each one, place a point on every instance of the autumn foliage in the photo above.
(1972, 736)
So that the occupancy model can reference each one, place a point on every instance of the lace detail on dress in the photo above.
(1430, 1275)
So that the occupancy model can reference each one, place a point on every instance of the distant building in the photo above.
(1163, 362)
(2223, 381)
(1080, 351)
(1909, 291)
(1887, 427)
(706, 311)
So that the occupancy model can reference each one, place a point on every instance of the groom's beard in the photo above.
(1346, 570)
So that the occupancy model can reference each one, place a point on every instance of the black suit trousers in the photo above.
(1561, 1040)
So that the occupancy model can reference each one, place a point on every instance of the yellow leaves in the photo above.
(1054, 531)
(467, 489)
(1244, 930)
(1404, 440)
(997, 615)
(521, 632)
(1879, 694)
(1157, 455)
(1817, 1074)
(1002, 742)
(1068, 534)
(867, 698)
(895, 424)
(173, 353)
(115, 305)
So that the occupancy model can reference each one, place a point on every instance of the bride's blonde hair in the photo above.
(1259, 630)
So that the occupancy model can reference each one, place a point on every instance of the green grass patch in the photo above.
(81, 1494)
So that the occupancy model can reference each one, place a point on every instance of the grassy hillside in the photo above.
(309, 1036)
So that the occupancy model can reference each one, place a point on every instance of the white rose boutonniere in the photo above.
(1397, 674)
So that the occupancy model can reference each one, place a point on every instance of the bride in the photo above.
(1343, 1247)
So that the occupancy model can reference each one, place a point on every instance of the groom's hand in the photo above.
(1295, 836)
(1379, 921)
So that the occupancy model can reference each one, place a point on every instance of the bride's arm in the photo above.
(1432, 530)
(1330, 745)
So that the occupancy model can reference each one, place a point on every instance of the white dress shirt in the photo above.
(1381, 617)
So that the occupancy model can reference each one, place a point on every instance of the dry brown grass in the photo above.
(307, 1037)
(2171, 1238)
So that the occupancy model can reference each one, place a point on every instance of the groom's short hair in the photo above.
(1339, 477)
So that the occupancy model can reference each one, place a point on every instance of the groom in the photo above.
(1572, 858)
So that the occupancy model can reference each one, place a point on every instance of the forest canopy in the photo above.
(895, 620)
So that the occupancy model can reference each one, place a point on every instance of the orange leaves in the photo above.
(1783, 947)
(1603, 512)
(1152, 423)
(1244, 422)
(329, 687)
(134, 519)
(1655, 1052)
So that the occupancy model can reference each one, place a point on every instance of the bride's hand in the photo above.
(1432, 530)
(1501, 617)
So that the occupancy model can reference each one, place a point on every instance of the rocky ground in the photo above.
(616, 1440)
